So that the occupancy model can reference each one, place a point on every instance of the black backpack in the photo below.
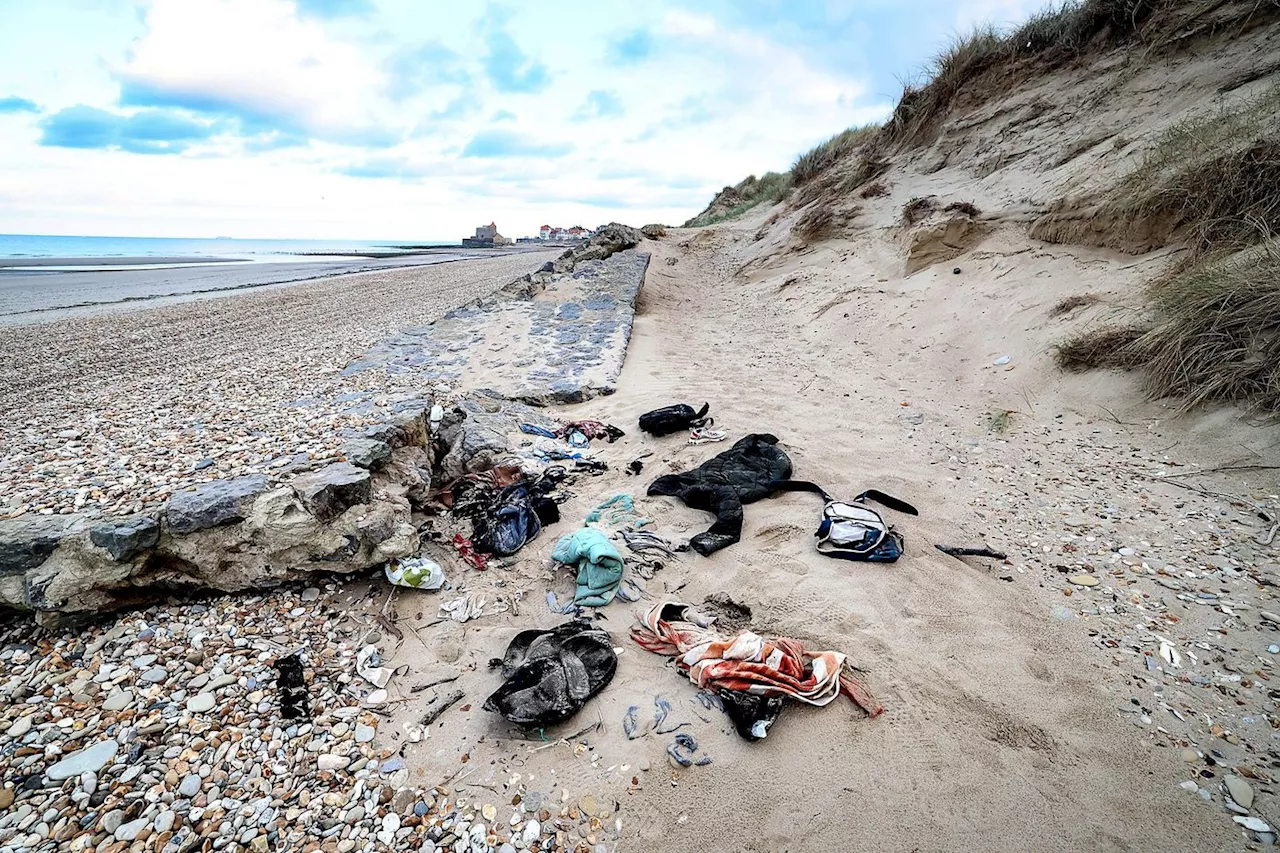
(671, 419)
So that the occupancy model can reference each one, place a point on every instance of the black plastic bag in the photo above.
(752, 715)
(671, 419)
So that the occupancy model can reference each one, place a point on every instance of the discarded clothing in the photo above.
(683, 749)
(851, 530)
(644, 542)
(675, 418)
(617, 511)
(599, 565)
(294, 704)
(551, 674)
(592, 430)
(464, 608)
(748, 663)
(468, 552)
(534, 429)
(416, 573)
(503, 522)
(725, 482)
(752, 715)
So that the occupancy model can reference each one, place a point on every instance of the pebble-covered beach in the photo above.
(112, 414)
(162, 731)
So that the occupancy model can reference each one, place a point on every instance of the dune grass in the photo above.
(1068, 304)
(1101, 348)
(1049, 37)
(750, 192)
(1215, 175)
(823, 156)
(1217, 335)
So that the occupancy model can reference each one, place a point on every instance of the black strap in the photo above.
(888, 500)
(799, 486)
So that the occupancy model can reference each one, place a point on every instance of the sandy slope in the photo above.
(1008, 726)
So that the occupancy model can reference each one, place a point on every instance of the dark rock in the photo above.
(332, 490)
(27, 541)
(125, 538)
(367, 452)
(608, 241)
(408, 427)
(549, 266)
(213, 504)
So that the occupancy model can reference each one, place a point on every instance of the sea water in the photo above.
(15, 246)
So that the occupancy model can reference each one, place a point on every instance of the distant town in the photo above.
(487, 236)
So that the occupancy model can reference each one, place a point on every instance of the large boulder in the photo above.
(125, 538)
(608, 241)
(368, 453)
(28, 541)
(213, 504)
(333, 490)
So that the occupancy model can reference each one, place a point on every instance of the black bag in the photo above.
(671, 419)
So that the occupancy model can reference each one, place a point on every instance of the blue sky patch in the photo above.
(146, 132)
(501, 143)
(14, 104)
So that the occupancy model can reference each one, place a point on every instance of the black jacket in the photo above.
(722, 484)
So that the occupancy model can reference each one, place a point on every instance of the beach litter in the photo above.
(464, 608)
(617, 511)
(294, 703)
(747, 663)
(549, 675)
(682, 751)
(369, 666)
(598, 563)
(415, 573)
(672, 419)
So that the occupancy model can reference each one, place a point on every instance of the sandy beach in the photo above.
(273, 557)
(1027, 704)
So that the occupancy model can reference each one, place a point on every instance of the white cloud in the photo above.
(257, 57)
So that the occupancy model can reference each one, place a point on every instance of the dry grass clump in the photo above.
(1070, 303)
(1217, 335)
(822, 220)
(1049, 37)
(874, 190)
(823, 156)
(1104, 347)
(968, 208)
(1215, 175)
(918, 208)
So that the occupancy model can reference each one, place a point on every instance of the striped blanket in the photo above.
(765, 666)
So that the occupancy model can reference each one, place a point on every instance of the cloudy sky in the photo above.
(418, 119)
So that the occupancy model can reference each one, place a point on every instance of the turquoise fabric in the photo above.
(599, 565)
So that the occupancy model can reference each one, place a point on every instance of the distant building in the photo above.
(545, 232)
(486, 237)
